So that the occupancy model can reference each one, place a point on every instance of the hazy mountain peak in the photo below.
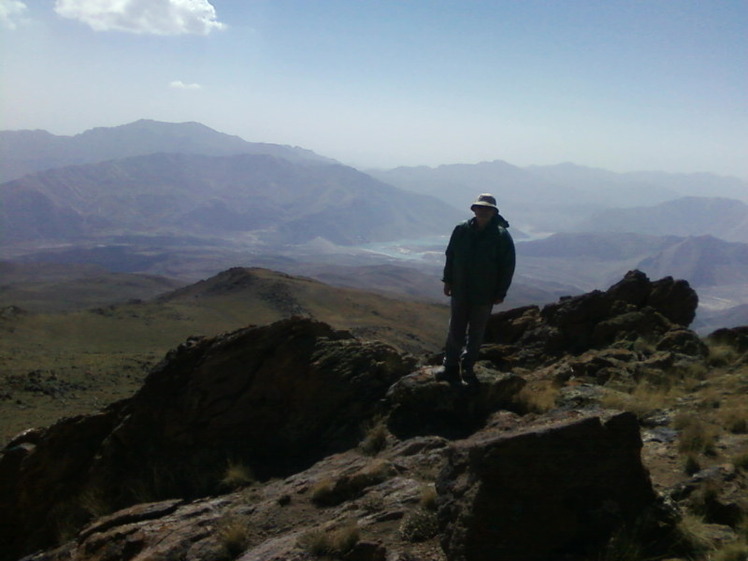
(24, 152)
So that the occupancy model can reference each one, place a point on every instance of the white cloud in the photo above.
(11, 13)
(178, 84)
(157, 17)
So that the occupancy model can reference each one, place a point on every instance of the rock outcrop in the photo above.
(550, 490)
(294, 407)
(633, 309)
(418, 405)
(273, 398)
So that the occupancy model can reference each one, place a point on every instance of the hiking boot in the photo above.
(450, 375)
(469, 377)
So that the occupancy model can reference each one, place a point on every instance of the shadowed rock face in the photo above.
(274, 398)
(418, 405)
(540, 492)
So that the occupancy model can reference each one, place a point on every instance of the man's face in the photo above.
(483, 214)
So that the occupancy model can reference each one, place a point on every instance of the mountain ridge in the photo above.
(685, 216)
(24, 152)
(277, 200)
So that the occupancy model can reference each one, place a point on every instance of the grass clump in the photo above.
(420, 524)
(233, 535)
(323, 492)
(734, 419)
(330, 492)
(722, 355)
(691, 464)
(95, 503)
(237, 475)
(375, 440)
(737, 551)
(537, 398)
(740, 461)
(696, 436)
(428, 499)
(693, 537)
(335, 543)
(642, 400)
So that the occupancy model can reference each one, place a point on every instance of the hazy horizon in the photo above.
(621, 86)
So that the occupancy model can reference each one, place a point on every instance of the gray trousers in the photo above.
(467, 326)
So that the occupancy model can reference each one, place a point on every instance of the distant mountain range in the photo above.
(557, 198)
(24, 152)
(688, 216)
(185, 201)
(266, 199)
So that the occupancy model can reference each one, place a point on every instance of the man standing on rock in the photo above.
(477, 274)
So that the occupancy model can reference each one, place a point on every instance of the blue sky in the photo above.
(621, 85)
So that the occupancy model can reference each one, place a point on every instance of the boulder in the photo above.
(274, 398)
(736, 337)
(419, 405)
(633, 308)
(685, 342)
(558, 488)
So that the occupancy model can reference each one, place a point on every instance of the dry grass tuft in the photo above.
(95, 503)
(419, 525)
(323, 491)
(335, 543)
(737, 551)
(233, 533)
(537, 398)
(722, 355)
(691, 464)
(693, 371)
(330, 492)
(375, 440)
(643, 399)
(696, 436)
(237, 475)
(734, 418)
(428, 498)
(693, 536)
(740, 461)
(644, 346)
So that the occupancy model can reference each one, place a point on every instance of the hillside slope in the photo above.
(262, 199)
(57, 364)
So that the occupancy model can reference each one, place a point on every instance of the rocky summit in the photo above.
(296, 441)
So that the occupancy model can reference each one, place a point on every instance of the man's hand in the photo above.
(447, 289)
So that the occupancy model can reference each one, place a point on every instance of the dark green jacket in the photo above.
(480, 264)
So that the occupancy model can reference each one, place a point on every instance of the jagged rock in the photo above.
(293, 400)
(684, 342)
(274, 398)
(41, 473)
(581, 396)
(631, 309)
(419, 405)
(253, 525)
(508, 327)
(717, 494)
(645, 323)
(543, 491)
(675, 299)
(601, 366)
(736, 337)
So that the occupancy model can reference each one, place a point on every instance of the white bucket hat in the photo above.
(485, 199)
